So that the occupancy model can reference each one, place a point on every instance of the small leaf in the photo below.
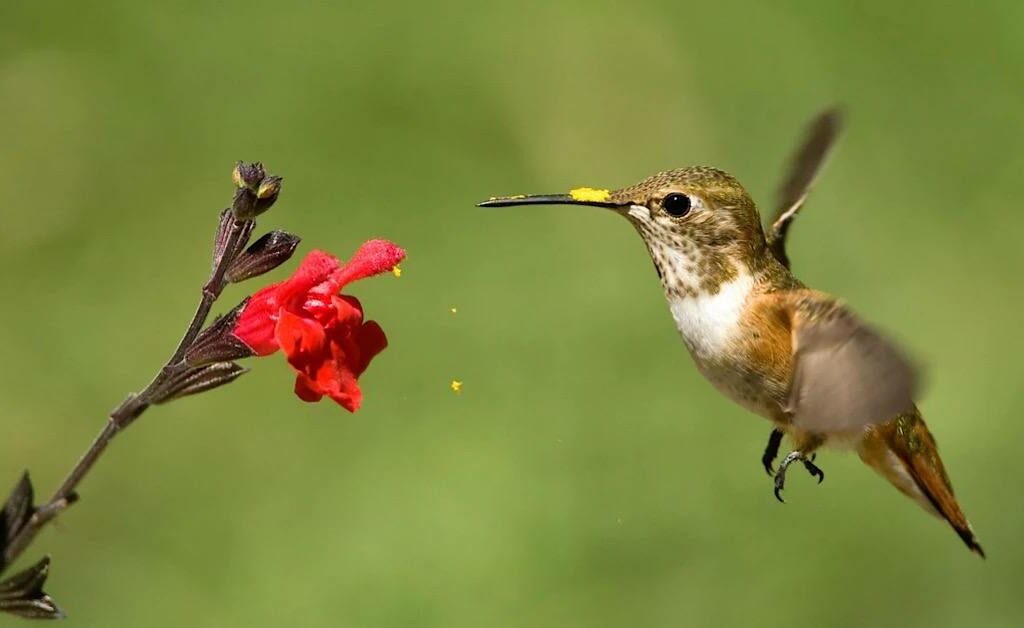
(22, 594)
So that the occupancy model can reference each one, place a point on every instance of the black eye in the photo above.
(676, 204)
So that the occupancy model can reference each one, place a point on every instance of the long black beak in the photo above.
(547, 199)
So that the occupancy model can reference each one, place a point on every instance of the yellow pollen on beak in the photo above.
(589, 195)
(396, 271)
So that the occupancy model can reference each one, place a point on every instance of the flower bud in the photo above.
(22, 594)
(264, 255)
(248, 175)
(17, 510)
(243, 207)
(269, 186)
(199, 379)
(266, 194)
(250, 203)
(217, 343)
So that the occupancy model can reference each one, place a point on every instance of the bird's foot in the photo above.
(771, 451)
(780, 476)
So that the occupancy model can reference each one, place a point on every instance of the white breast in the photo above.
(708, 321)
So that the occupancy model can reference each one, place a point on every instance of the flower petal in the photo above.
(301, 339)
(346, 310)
(316, 268)
(372, 258)
(303, 390)
(343, 389)
(371, 340)
(331, 377)
(255, 326)
(320, 368)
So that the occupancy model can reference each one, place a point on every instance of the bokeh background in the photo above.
(586, 475)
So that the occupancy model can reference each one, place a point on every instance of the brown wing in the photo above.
(804, 167)
(845, 374)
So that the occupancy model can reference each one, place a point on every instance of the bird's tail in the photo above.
(903, 451)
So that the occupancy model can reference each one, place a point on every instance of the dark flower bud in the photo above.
(243, 207)
(22, 594)
(251, 203)
(263, 256)
(17, 511)
(266, 193)
(270, 186)
(199, 379)
(255, 192)
(217, 343)
(248, 175)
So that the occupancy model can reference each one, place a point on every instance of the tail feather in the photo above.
(904, 452)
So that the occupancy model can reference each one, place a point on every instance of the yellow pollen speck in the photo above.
(456, 386)
(589, 194)
(396, 271)
(454, 310)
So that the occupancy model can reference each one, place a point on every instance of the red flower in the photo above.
(321, 332)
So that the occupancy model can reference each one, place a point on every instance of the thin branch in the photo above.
(132, 407)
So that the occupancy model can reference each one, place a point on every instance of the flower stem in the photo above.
(131, 408)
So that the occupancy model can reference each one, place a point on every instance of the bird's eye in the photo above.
(676, 204)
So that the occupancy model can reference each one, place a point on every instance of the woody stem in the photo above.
(136, 403)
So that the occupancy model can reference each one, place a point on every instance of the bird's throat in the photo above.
(708, 320)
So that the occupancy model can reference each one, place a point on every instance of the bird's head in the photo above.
(699, 224)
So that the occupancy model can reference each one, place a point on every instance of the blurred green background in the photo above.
(587, 475)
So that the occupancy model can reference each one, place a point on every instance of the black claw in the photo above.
(771, 451)
(814, 470)
(780, 478)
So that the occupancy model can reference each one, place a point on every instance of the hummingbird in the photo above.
(796, 356)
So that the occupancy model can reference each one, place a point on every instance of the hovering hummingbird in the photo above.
(796, 356)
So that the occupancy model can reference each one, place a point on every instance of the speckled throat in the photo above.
(685, 268)
(697, 253)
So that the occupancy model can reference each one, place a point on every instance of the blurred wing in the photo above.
(804, 167)
(846, 375)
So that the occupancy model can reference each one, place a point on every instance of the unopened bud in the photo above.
(200, 379)
(269, 187)
(263, 256)
(248, 175)
(244, 205)
(266, 194)
(22, 594)
(250, 202)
